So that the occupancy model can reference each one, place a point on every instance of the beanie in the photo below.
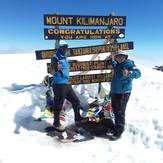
(63, 43)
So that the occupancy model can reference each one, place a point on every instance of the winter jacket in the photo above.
(120, 83)
(60, 76)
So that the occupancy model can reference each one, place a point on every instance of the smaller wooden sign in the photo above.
(89, 65)
(91, 78)
(47, 54)
(85, 66)
(69, 34)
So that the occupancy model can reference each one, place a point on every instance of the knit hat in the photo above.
(63, 43)
(121, 53)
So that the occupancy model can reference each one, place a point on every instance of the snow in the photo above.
(22, 96)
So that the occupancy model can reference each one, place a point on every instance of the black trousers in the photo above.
(119, 103)
(62, 92)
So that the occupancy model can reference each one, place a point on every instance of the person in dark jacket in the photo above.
(61, 86)
(121, 85)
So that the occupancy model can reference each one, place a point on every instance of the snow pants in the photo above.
(62, 92)
(119, 103)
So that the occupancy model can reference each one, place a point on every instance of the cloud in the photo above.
(15, 50)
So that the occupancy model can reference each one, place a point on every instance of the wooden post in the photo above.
(112, 40)
(56, 45)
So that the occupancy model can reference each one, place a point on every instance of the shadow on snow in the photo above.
(24, 116)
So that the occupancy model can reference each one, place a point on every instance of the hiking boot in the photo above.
(59, 127)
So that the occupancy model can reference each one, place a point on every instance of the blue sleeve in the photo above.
(113, 63)
(135, 74)
(54, 63)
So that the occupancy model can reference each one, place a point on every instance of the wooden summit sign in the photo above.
(85, 65)
(68, 34)
(77, 20)
(57, 33)
(47, 54)
(91, 78)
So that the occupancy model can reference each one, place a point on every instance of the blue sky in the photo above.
(22, 23)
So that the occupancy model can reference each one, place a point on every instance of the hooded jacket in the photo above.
(122, 84)
(60, 76)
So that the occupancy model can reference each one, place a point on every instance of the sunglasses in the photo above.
(120, 56)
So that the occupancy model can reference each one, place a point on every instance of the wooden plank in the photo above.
(91, 78)
(89, 65)
(79, 51)
(69, 34)
(86, 66)
(80, 20)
